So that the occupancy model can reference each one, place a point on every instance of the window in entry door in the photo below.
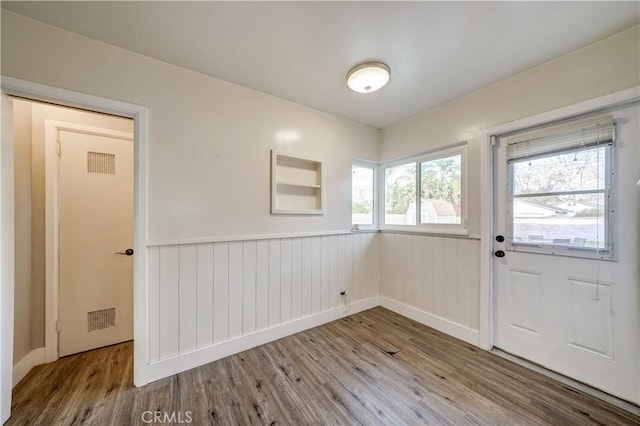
(560, 192)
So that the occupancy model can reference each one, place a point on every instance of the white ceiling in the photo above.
(301, 51)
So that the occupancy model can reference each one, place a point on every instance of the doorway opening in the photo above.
(69, 208)
(15, 88)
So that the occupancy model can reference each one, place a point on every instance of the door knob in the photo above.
(127, 252)
(499, 253)
(499, 238)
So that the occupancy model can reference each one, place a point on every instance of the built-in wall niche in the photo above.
(296, 185)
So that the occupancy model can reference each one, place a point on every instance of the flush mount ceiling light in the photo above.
(368, 77)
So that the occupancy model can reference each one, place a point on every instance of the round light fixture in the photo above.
(368, 77)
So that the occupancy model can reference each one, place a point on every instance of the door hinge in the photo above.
(493, 141)
(58, 327)
(58, 147)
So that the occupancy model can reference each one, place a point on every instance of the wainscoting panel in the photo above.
(205, 294)
(437, 277)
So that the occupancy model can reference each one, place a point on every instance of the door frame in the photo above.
(487, 139)
(39, 92)
(7, 266)
(52, 218)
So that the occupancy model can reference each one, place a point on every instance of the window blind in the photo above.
(580, 133)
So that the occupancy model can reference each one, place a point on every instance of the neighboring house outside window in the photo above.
(437, 179)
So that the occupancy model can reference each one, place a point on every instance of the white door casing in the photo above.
(576, 316)
(140, 114)
(7, 258)
(95, 200)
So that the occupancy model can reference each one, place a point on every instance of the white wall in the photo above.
(22, 344)
(604, 67)
(208, 180)
(205, 295)
(433, 280)
(610, 65)
(209, 140)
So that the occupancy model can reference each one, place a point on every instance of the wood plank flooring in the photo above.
(372, 368)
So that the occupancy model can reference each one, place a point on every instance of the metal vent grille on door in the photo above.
(100, 162)
(104, 318)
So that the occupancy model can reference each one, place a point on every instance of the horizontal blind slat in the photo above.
(583, 133)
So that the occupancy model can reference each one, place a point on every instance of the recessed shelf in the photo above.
(296, 185)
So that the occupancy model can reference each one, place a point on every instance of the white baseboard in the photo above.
(30, 360)
(167, 367)
(451, 328)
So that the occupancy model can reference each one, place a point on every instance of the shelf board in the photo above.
(285, 211)
(299, 185)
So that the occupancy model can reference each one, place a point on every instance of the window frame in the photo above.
(428, 228)
(608, 192)
(374, 207)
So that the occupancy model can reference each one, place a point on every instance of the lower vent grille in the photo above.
(104, 318)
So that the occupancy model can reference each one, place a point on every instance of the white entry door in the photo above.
(567, 275)
(95, 205)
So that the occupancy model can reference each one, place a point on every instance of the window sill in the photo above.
(412, 230)
(364, 228)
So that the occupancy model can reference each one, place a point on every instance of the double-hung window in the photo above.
(426, 192)
(559, 189)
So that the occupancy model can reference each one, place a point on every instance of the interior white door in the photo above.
(95, 205)
(574, 315)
